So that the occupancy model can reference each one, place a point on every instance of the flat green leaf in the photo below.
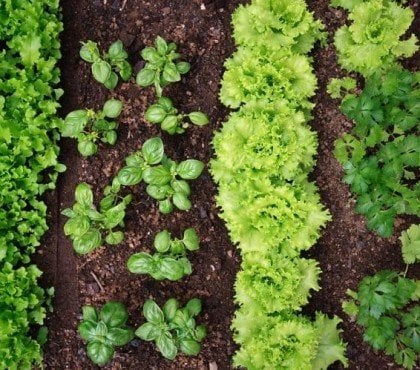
(181, 186)
(198, 118)
(171, 124)
(89, 313)
(130, 175)
(74, 123)
(165, 206)
(190, 347)
(100, 353)
(84, 195)
(158, 192)
(114, 314)
(171, 269)
(87, 330)
(148, 332)
(77, 226)
(140, 263)
(170, 308)
(152, 312)
(112, 108)
(88, 242)
(183, 67)
(153, 150)
(166, 346)
(101, 71)
(86, 148)
(181, 202)
(112, 81)
(155, 114)
(170, 73)
(120, 336)
(191, 239)
(162, 241)
(193, 306)
(190, 169)
(115, 237)
(145, 77)
(158, 175)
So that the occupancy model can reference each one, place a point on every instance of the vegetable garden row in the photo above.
(157, 166)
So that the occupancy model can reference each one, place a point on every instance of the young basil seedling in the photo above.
(165, 178)
(88, 126)
(173, 328)
(105, 69)
(165, 114)
(86, 224)
(104, 331)
(162, 66)
(170, 261)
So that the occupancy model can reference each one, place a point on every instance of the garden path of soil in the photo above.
(346, 252)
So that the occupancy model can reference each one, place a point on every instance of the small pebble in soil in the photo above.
(213, 366)
(135, 343)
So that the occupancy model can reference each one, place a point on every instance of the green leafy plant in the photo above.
(173, 328)
(88, 126)
(87, 224)
(410, 244)
(383, 306)
(165, 114)
(372, 41)
(381, 154)
(170, 261)
(106, 68)
(338, 87)
(104, 330)
(165, 177)
(162, 66)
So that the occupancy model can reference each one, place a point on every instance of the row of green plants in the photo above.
(264, 154)
(92, 224)
(381, 159)
(29, 51)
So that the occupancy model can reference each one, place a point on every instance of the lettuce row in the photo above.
(264, 154)
(29, 50)
(372, 41)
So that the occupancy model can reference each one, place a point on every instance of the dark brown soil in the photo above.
(347, 251)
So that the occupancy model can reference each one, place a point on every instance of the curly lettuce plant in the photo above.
(278, 25)
(104, 330)
(173, 328)
(169, 261)
(373, 39)
(88, 126)
(107, 67)
(86, 224)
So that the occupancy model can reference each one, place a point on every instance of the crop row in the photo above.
(29, 52)
(264, 154)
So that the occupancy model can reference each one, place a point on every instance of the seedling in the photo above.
(173, 328)
(162, 66)
(165, 114)
(170, 261)
(106, 69)
(88, 126)
(165, 178)
(86, 224)
(104, 331)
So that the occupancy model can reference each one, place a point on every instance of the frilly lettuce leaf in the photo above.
(257, 74)
(280, 25)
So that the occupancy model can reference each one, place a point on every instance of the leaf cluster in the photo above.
(30, 48)
(170, 261)
(165, 114)
(372, 40)
(410, 244)
(106, 68)
(88, 126)
(382, 305)
(162, 66)
(381, 154)
(104, 330)
(87, 224)
(165, 178)
(173, 328)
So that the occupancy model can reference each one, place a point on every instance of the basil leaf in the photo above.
(125, 70)
(152, 312)
(110, 137)
(112, 81)
(114, 314)
(112, 108)
(99, 353)
(183, 67)
(198, 118)
(152, 150)
(166, 346)
(170, 308)
(151, 55)
(87, 330)
(89, 313)
(171, 269)
(162, 241)
(145, 77)
(107, 203)
(155, 114)
(190, 169)
(193, 306)
(190, 347)
(140, 263)
(148, 332)
(170, 124)
(186, 265)
(157, 175)
(170, 73)
(116, 51)
(181, 202)
(200, 333)
(158, 192)
(114, 216)
(77, 226)
(161, 45)
(84, 195)
(115, 237)
(86, 148)
(181, 186)
(101, 71)
(190, 239)
(89, 52)
(165, 206)
(130, 175)
(87, 242)
(166, 103)
(120, 336)
(74, 123)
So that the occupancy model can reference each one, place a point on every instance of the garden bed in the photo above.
(346, 252)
